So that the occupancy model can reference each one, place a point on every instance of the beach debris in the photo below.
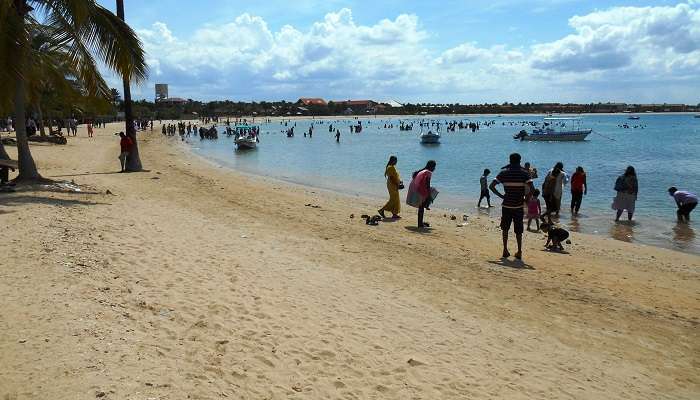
(373, 220)
(244, 236)
(155, 177)
(100, 394)
(414, 363)
(312, 205)
(296, 388)
(568, 241)
(109, 192)
(352, 216)
(452, 217)
(464, 217)
(23, 340)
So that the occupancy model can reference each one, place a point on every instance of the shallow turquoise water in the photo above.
(664, 152)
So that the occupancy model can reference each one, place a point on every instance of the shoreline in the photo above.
(194, 280)
(454, 207)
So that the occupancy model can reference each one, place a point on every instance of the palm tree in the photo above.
(87, 30)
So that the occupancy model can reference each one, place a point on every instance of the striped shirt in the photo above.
(514, 179)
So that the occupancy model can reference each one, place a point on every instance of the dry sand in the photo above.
(190, 281)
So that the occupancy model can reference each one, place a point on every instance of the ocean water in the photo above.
(664, 149)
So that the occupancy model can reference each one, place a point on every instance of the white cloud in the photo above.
(647, 47)
(650, 39)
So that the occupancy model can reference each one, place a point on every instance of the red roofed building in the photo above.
(359, 106)
(309, 101)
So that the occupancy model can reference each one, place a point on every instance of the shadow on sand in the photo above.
(97, 173)
(517, 264)
(39, 199)
(416, 229)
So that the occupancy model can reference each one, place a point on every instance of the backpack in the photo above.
(620, 184)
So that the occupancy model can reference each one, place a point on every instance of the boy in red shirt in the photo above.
(578, 189)
(125, 144)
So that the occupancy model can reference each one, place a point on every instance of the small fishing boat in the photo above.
(633, 117)
(556, 129)
(246, 137)
(430, 138)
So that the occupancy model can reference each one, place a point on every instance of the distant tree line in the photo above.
(194, 108)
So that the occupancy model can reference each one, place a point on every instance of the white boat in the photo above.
(430, 138)
(246, 143)
(556, 129)
(246, 137)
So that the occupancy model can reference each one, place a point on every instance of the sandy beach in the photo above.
(189, 280)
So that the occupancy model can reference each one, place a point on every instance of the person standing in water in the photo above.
(515, 180)
(627, 189)
(337, 136)
(579, 188)
(393, 184)
(483, 181)
(686, 202)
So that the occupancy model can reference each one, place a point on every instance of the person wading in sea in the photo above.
(515, 180)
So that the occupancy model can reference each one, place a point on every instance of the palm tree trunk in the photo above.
(133, 161)
(27, 167)
(41, 118)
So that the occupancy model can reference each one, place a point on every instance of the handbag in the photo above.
(401, 186)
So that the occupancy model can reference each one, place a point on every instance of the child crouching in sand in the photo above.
(534, 209)
(554, 236)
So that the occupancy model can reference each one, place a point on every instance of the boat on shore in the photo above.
(246, 137)
(556, 129)
(430, 138)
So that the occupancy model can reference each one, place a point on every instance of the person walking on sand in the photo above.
(420, 194)
(515, 180)
(89, 129)
(627, 188)
(125, 144)
(393, 184)
(686, 202)
(483, 181)
(579, 188)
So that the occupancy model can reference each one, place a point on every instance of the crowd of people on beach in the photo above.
(521, 199)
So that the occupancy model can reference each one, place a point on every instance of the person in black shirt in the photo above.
(554, 236)
(514, 179)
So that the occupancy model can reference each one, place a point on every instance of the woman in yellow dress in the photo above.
(393, 184)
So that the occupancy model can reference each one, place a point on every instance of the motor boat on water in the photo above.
(633, 117)
(430, 138)
(556, 129)
(246, 137)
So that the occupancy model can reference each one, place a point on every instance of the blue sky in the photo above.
(437, 51)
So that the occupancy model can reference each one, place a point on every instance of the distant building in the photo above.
(358, 106)
(311, 101)
(161, 91)
(173, 101)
